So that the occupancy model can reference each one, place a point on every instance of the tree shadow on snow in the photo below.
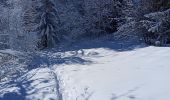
(108, 44)
(9, 94)
(17, 89)
(48, 58)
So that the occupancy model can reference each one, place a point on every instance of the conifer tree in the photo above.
(48, 25)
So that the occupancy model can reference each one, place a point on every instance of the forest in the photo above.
(39, 24)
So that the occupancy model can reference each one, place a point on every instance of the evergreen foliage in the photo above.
(37, 24)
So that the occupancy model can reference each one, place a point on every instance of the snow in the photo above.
(141, 74)
(9, 51)
(97, 73)
(38, 84)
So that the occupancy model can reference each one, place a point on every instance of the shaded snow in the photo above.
(37, 84)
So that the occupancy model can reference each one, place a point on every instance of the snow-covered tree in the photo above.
(158, 28)
(100, 15)
(128, 20)
(156, 21)
(16, 33)
(147, 19)
(4, 25)
(48, 24)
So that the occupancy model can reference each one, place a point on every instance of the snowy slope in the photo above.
(95, 74)
(141, 74)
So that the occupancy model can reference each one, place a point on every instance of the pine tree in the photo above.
(48, 25)
(156, 22)
(128, 21)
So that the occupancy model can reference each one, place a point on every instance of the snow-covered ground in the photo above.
(96, 74)
(140, 74)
